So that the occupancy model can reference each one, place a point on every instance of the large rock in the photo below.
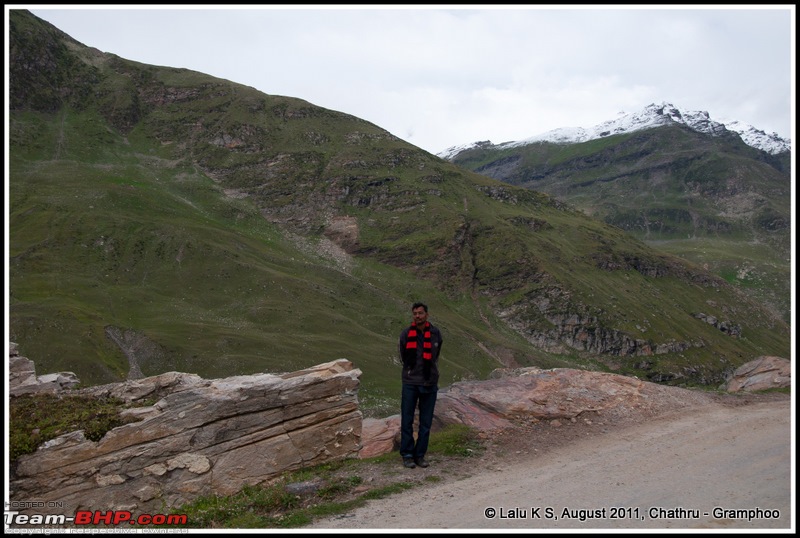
(561, 393)
(761, 374)
(379, 436)
(201, 437)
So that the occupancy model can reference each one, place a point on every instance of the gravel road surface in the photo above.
(712, 468)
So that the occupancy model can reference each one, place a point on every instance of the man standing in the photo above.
(419, 349)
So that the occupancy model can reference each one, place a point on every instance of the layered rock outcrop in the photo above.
(201, 437)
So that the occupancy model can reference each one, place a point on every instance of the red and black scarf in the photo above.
(427, 347)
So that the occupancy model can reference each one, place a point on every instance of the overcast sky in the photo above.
(447, 75)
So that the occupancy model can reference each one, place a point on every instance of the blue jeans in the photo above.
(414, 396)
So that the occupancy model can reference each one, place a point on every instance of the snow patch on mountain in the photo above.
(769, 142)
(653, 115)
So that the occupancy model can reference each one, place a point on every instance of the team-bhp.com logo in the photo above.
(13, 518)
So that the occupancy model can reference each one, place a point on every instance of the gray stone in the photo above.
(763, 373)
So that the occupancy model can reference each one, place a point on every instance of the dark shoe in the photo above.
(421, 462)
(409, 463)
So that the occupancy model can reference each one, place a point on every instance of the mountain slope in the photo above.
(163, 218)
(689, 187)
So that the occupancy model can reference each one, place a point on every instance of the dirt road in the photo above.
(710, 468)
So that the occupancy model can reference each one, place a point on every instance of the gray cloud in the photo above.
(442, 77)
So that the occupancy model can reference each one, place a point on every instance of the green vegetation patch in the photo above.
(37, 418)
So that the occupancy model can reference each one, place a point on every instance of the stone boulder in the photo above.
(202, 437)
(22, 378)
(561, 393)
(761, 374)
(379, 436)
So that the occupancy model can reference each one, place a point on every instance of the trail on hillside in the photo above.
(713, 467)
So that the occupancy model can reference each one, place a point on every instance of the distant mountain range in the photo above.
(653, 115)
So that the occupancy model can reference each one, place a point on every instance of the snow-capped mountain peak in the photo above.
(653, 115)
(769, 142)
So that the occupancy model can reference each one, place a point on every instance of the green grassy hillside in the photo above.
(712, 200)
(198, 281)
(161, 219)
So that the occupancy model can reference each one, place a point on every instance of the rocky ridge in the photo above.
(652, 115)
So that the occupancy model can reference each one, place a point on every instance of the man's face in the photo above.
(420, 316)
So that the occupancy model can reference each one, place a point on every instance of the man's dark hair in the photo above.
(417, 305)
